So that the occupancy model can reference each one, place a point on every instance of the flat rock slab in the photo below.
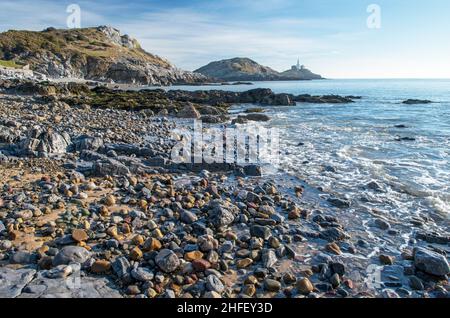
(13, 281)
(73, 286)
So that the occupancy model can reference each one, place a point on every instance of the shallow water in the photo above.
(358, 143)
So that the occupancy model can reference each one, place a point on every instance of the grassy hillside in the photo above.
(27, 47)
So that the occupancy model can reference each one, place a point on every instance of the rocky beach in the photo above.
(92, 206)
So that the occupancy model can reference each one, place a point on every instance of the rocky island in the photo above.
(245, 69)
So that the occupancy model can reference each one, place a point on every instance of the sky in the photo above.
(331, 37)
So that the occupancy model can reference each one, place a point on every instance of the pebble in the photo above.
(416, 283)
(305, 286)
(272, 285)
(386, 259)
(260, 231)
(142, 274)
(167, 261)
(213, 283)
(136, 254)
(192, 256)
(110, 200)
(333, 248)
(335, 280)
(100, 266)
(79, 235)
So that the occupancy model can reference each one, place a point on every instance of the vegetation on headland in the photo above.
(12, 64)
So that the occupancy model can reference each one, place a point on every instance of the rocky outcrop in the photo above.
(416, 101)
(245, 69)
(101, 54)
(44, 143)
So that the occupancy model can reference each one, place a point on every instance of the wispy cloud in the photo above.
(330, 38)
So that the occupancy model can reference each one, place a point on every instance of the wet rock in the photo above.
(256, 117)
(381, 224)
(253, 170)
(272, 285)
(334, 234)
(333, 248)
(335, 280)
(71, 254)
(386, 259)
(416, 283)
(416, 101)
(167, 261)
(339, 203)
(260, 231)
(305, 286)
(430, 262)
(433, 238)
(269, 258)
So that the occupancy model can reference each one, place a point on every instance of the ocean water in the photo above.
(343, 148)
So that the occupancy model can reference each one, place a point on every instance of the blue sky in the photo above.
(330, 37)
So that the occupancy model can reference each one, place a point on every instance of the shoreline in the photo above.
(163, 233)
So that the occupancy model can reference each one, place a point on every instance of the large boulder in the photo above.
(88, 143)
(44, 143)
(430, 262)
(109, 167)
(71, 254)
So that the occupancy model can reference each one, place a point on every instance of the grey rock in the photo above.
(73, 286)
(188, 217)
(382, 224)
(253, 171)
(430, 262)
(109, 167)
(221, 213)
(339, 203)
(44, 143)
(142, 274)
(213, 283)
(71, 254)
(13, 281)
(88, 143)
(121, 266)
(334, 234)
(22, 257)
(2, 227)
(60, 271)
(269, 258)
(260, 231)
(167, 261)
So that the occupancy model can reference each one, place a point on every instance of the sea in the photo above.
(387, 158)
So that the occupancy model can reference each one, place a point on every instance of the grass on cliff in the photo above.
(11, 64)
(84, 43)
